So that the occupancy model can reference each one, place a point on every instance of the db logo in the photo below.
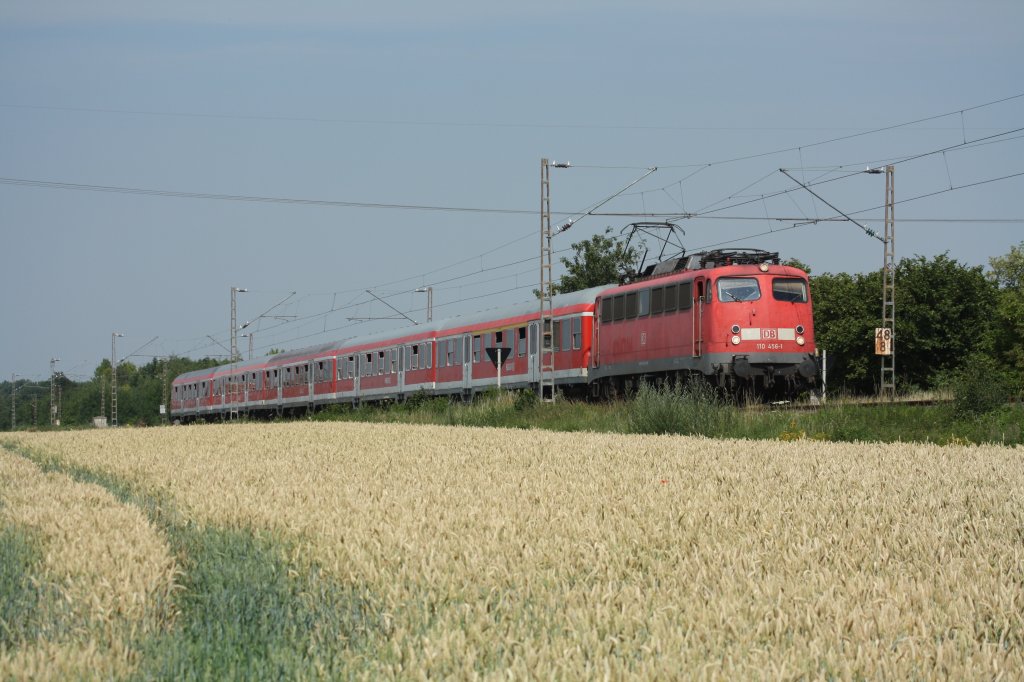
(643, 338)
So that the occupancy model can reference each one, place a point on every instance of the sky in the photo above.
(154, 155)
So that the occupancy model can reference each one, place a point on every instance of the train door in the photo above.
(467, 362)
(532, 352)
(357, 373)
(401, 367)
(697, 317)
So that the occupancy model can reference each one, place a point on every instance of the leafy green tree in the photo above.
(846, 311)
(943, 316)
(602, 259)
(1008, 325)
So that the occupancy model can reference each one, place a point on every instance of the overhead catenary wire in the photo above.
(699, 168)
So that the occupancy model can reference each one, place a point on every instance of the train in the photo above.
(738, 318)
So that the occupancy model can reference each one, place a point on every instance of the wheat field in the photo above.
(426, 551)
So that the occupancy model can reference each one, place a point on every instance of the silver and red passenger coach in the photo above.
(738, 318)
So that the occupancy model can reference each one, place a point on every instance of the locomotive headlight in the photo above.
(799, 329)
(764, 267)
(799, 340)
(736, 340)
(735, 329)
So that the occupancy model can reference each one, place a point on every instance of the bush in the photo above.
(980, 387)
(691, 408)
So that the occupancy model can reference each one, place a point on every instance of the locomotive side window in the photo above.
(738, 289)
(643, 303)
(792, 290)
(670, 298)
(685, 295)
(619, 307)
(657, 300)
(606, 310)
(631, 305)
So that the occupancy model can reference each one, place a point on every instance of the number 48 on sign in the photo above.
(883, 341)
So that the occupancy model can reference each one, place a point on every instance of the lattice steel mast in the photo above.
(546, 351)
(888, 372)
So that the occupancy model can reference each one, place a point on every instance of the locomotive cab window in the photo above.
(789, 289)
(734, 289)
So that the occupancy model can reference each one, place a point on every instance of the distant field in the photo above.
(380, 550)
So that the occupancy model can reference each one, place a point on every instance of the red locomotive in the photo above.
(739, 318)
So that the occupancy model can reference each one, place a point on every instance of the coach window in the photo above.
(458, 350)
(451, 352)
(380, 362)
(643, 303)
(657, 300)
(566, 334)
(522, 341)
(619, 307)
(606, 310)
(476, 348)
(792, 290)
(430, 355)
(734, 289)
(670, 298)
(556, 336)
(577, 333)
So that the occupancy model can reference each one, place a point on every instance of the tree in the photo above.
(944, 312)
(1008, 326)
(602, 259)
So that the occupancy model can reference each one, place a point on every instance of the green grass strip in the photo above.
(246, 610)
(21, 557)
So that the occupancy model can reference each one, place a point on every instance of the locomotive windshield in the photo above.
(792, 290)
(738, 289)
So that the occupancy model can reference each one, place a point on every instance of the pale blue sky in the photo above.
(453, 104)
